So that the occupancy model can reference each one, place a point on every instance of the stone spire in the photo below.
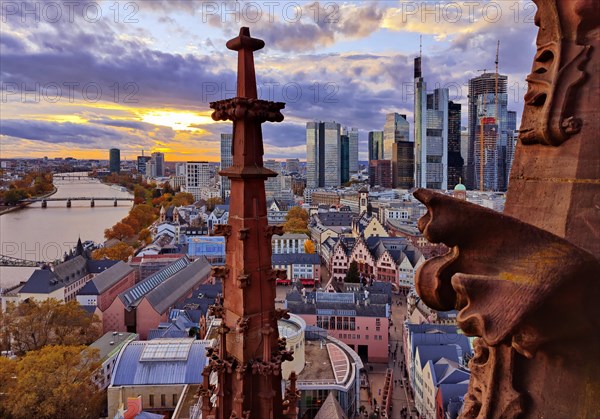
(248, 362)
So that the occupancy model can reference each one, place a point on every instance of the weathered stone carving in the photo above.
(277, 274)
(243, 280)
(559, 68)
(273, 230)
(243, 233)
(282, 313)
(220, 271)
(512, 283)
(222, 230)
(241, 325)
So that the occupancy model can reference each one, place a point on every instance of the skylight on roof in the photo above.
(166, 351)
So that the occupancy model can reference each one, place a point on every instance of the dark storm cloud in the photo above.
(57, 132)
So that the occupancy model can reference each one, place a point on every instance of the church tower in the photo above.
(248, 361)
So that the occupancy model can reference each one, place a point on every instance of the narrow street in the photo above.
(401, 397)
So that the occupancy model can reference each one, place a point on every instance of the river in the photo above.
(45, 234)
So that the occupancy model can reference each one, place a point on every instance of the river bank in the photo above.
(6, 210)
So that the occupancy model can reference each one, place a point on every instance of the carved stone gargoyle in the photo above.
(518, 287)
(528, 265)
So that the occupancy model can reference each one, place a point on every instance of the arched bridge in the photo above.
(11, 261)
(92, 200)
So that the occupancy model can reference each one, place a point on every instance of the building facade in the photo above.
(142, 161)
(197, 177)
(375, 144)
(352, 134)
(115, 160)
(455, 160)
(380, 173)
(158, 165)
(226, 161)
(403, 165)
(488, 132)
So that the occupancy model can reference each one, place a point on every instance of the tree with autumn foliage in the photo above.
(297, 212)
(119, 231)
(145, 236)
(34, 324)
(296, 221)
(182, 199)
(309, 247)
(145, 214)
(53, 382)
(120, 251)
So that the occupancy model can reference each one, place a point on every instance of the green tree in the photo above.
(353, 275)
(55, 382)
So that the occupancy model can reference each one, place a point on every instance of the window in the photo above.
(151, 400)
(366, 337)
(163, 401)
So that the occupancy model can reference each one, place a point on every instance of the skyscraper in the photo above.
(226, 161)
(352, 150)
(396, 129)
(455, 160)
(115, 160)
(431, 134)
(403, 165)
(345, 158)
(159, 164)
(323, 155)
(375, 145)
(142, 162)
(490, 125)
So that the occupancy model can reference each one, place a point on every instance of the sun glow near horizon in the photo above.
(178, 120)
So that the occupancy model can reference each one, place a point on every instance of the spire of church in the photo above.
(248, 362)
(79, 249)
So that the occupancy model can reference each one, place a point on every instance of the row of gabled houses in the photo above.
(387, 259)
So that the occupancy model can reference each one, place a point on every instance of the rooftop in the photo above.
(112, 342)
(161, 361)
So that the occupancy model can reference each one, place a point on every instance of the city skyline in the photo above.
(359, 64)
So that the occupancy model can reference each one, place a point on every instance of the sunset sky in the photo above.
(79, 78)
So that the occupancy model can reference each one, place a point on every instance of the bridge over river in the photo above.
(92, 200)
(11, 261)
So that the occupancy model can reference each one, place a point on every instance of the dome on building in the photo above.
(460, 187)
